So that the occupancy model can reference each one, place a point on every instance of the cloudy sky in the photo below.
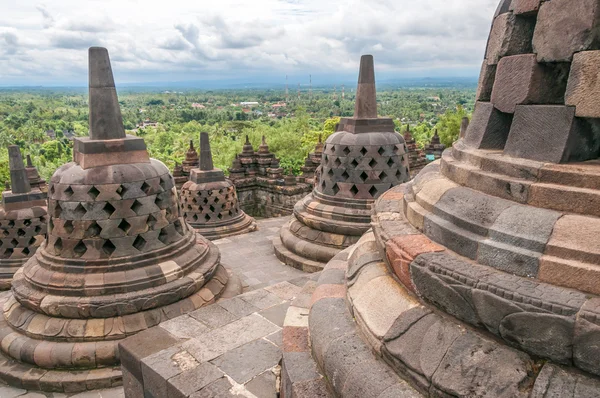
(253, 40)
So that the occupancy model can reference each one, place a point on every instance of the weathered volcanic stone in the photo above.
(520, 79)
(119, 258)
(551, 133)
(488, 128)
(22, 220)
(486, 82)
(106, 122)
(583, 87)
(209, 200)
(525, 7)
(510, 35)
(364, 158)
(555, 381)
(565, 27)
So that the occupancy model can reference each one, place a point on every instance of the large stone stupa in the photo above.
(22, 219)
(119, 258)
(481, 277)
(364, 158)
(210, 202)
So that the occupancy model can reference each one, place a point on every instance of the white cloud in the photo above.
(187, 40)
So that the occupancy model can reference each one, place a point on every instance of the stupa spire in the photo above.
(366, 102)
(18, 176)
(206, 162)
(106, 122)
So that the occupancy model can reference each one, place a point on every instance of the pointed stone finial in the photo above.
(18, 175)
(320, 138)
(206, 162)
(464, 125)
(247, 140)
(366, 95)
(191, 148)
(29, 163)
(106, 122)
(6, 186)
(264, 140)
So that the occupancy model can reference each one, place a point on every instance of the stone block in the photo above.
(188, 382)
(525, 7)
(486, 82)
(583, 87)
(488, 128)
(565, 27)
(520, 79)
(551, 133)
(543, 335)
(451, 298)
(586, 343)
(474, 366)
(263, 385)
(213, 316)
(133, 349)
(246, 362)
(503, 7)
(556, 381)
(510, 35)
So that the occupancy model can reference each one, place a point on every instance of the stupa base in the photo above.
(243, 225)
(401, 344)
(78, 365)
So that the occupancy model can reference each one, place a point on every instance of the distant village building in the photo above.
(198, 106)
(248, 104)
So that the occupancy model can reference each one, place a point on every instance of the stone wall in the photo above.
(260, 197)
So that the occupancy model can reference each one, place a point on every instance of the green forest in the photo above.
(43, 121)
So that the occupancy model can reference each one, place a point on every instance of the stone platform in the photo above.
(233, 347)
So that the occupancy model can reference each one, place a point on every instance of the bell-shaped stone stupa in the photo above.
(119, 258)
(482, 275)
(209, 200)
(364, 158)
(22, 219)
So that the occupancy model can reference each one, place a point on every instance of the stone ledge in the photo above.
(347, 362)
(509, 306)
(425, 348)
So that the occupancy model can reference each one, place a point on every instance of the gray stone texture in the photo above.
(565, 27)
(583, 87)
(486, 82)
(366, 102)
(510, 35)
(555, 381)
(248, 361)
(19, 182)
(488, 128)
(106, 122)
(551, 133)
(520, 79)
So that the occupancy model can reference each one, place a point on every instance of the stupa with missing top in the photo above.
(210, 202)
(364, 158)
(22, 219)
(119, 258)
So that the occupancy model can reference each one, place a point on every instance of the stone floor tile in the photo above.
(249, 360)
(238, 307)
(284, 290)
(296, 316)
(276, 314)
(219, 341)
(263, 385)
(221, 388)
(184, 327)
(213, 316)
(193, 380)
(261, 299)
(10, 392)
(276, 338)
